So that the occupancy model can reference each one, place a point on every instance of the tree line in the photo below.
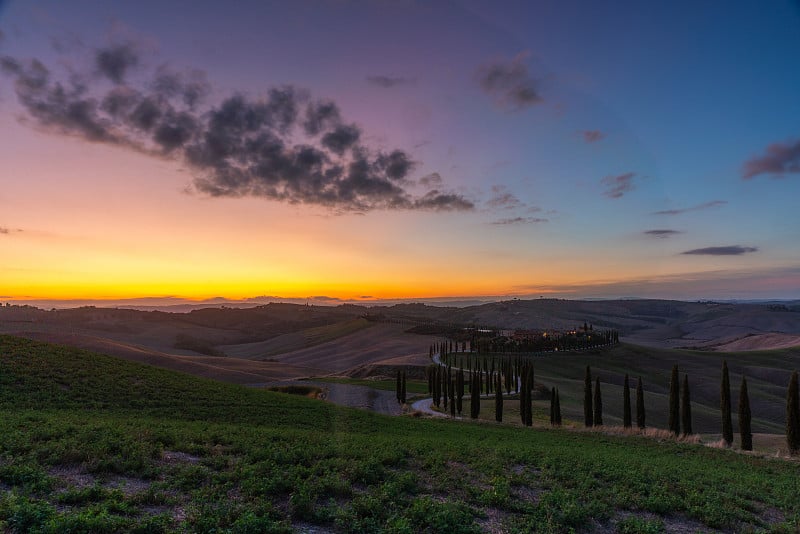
(448, 386)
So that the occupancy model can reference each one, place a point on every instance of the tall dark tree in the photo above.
(553, 406)
(640, 413)
(686, 407)
(598, 404)
(745, 431)
(475, 396)
(398, 387)
(460, 390)
(674, 422)
(498, 402)
(725, 405)
(626, 403)
(793, 415)
(452, 398)
(558, 409)
(525, 394)
(588, 414)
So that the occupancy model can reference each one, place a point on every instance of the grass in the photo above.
(419, 387)
(92, 443)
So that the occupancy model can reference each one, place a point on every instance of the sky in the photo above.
(369, 150)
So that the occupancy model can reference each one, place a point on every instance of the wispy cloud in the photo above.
(502, 198)
(703, 206)
(617, 186)
(284, 146)
(730, 250)
(779, 160)
(592, 136)
(661, 234)
(387, 82)
(509, 83)
(433, 179)
(520, 220)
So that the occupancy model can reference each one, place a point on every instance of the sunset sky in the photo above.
(399, 150)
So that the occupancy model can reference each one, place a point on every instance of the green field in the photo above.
(416, 387)
(89, 443)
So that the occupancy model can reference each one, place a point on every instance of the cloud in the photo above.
(731, 250)
(284, 145)
(780, 159)
(115, 61)
(520, 220)
(592, 136)
(387, 82)
(437, 201)
(661, 234)
(509, 83)
(617, 186)
(4, 230)
(431, 180)
(698, 207)
(503, 199)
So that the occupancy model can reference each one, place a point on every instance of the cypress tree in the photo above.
(403, 389)
(397, 387)
(674, 400)
(745, 432)
(498, 402)
(686, 407)
(558, 409)
(725, 406)
(445, 389)
(588, 414)
(529, 394)
(640, 413)
(460, 390)
(475, 397)
(452, 398)
(626, 404)
(523, 415)
(553, 406)
(793, 415)
(598, 404)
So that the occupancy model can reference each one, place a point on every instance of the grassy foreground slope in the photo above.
(93, 443)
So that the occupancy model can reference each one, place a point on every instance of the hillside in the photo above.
(767, 375)
(93, 443)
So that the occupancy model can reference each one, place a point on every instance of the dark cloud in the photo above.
(388, 82)
(509, 83)
(779, 160)
(592, 136)
(341, 139)
(661, 234)
(4, 230)
(114, 62)
(284, 146)
(191, 87)
(437, 201)
(520, 220)
(732, 250)
(320, 116)
(617, 186)
(703, 206)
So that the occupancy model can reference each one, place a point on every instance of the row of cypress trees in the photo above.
(440, 381)
(593, 403)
